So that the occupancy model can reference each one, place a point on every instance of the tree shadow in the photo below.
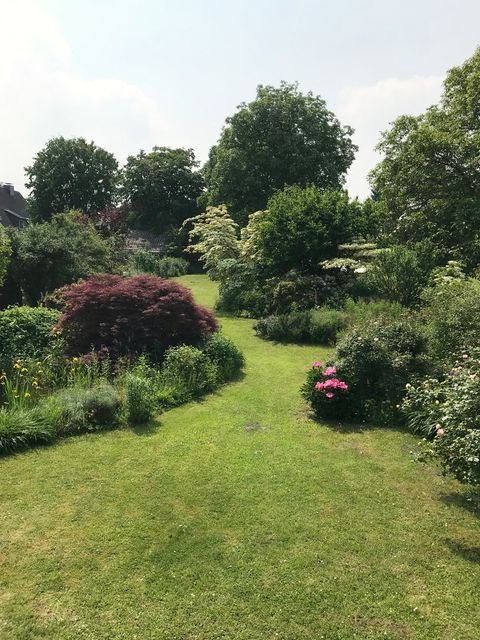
(346, 426)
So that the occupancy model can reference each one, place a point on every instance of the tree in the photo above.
(5, 254)
(301, 228)
(128, 316)
(217, 238)
(162, 187)
(52, 254)
(282, 138)
(71, 174)
(429, 180)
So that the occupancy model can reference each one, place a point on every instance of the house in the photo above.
(12, 207)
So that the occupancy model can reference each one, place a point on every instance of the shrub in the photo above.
(398, 275)
(128, 316)
(140, 397)
(452, 316)
(26, 332)
(171, 267)
(20, 428)
(189, 372)
(326, 324)
(449, 410)
(360, 311)
(53, 254)
(377, 360)
(224, 353)
(327, 394)
(78, 409)
(292, 327)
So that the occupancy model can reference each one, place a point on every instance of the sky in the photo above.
(131, 74)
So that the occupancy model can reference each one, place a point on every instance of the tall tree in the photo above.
(162, 187)
(283, 137)
(71, 174)
(428, 182)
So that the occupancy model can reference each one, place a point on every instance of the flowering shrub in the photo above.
(448, 411)
(21, 386)
(128, 316)
(326, 393)
(377, 360)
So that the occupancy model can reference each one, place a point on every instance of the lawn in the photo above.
(237, 517)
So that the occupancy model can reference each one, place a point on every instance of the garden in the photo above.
(263, 422)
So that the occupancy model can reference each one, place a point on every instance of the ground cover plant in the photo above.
(237, 516)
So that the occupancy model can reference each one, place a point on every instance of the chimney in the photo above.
(9, 188)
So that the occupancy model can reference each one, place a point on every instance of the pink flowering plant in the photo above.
(326, 392)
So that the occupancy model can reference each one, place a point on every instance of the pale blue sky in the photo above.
(134, 74)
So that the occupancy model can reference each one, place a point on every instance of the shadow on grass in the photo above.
(344, 426)
(468, 552)
(470, 501)
(146, 429)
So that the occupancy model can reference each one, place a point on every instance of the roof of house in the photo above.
(12, 206)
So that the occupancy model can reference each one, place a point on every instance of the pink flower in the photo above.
(317, 364)
(330, 371)
(320, 386)
(330, 395)
(440, 432)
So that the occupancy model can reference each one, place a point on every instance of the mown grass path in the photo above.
(236, 517)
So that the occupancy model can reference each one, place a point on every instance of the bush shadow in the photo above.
(466, 551)
(146, 429)
(469, 502)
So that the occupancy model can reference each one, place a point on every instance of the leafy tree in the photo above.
(52, 254)
(398, 274)
(162, 187)
(5, 254)
(282, 138)
(301, 228)
(217, 238)
(71, 174)
(429, 180)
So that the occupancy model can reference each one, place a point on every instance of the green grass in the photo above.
(237, 517)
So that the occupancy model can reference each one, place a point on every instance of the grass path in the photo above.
(236, 518)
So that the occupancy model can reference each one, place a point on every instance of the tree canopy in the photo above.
(162, 187)
(301, 228)
(429, 179)
(71, 174)
(52, 254)
(283, 137)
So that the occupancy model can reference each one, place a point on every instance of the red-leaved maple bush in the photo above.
(128, 316)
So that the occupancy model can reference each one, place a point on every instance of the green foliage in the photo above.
(318, 326)
(397, 274)
(452, 316)
(239, 291)
(225, 355)
(282, 138)
(377, 359)
(216, 238)
(26, 332)
(142, 261)
(5, 254)
(302, 227)
(140, 397)
(189, 371)
(71, 174)
(81, 409)
(428, 182)
(162, 187)
(21, 428)
(448, 410)
(328, 395)
(53, 254)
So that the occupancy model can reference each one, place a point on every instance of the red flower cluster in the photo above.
(330, 385)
